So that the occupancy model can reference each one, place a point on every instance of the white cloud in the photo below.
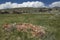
(6, 5)
(55, 4)
(24, 4)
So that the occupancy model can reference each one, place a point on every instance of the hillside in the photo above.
(29, 10)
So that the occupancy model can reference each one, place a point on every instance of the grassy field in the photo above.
(50, 21)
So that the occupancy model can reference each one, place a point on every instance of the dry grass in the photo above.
(51, 24)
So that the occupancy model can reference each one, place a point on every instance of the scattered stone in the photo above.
(26, 27)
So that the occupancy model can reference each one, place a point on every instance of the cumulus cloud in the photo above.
(35, 4)
(55, 4)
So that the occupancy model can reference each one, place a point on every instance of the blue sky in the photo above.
(21, 1)
(28, 3)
